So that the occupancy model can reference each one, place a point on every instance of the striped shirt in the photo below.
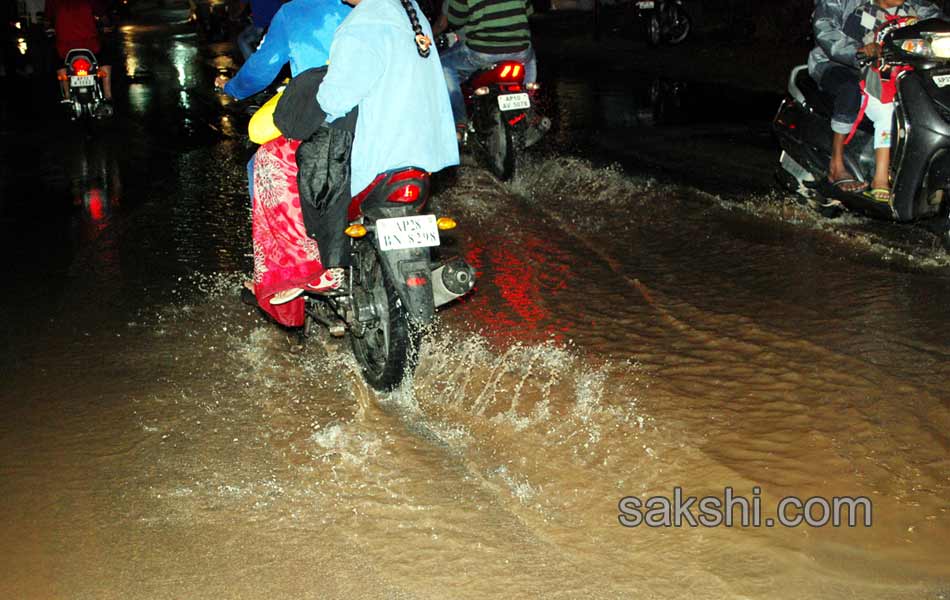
(492, 26)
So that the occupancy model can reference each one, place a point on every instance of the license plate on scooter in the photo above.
(942, 80)
(645, 5)
(514, 101)
(400, 233)
(81, 80)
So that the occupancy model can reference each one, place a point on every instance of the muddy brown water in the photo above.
(627, 337)
(190, 449)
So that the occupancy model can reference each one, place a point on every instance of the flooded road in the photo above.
(628, 336)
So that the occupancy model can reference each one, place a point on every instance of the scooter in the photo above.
(666, 21)
(503, 121)
(392, 287)
(84, 80)
(920, 158)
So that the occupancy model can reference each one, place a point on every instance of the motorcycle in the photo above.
(83, 78)
(920, 157)
(502, 122)
(667, 21)
(392, 286)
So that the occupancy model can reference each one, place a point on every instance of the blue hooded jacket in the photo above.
(404, 114)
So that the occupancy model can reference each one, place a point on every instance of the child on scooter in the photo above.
(879, 83)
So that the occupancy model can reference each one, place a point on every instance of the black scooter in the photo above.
(920, 159)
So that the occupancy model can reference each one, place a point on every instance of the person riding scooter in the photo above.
(832, 64)
(879, 87)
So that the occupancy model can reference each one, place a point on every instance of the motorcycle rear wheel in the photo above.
(387, 347)
(500, 149)
(678, 32)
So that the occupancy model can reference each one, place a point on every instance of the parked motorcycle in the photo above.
(666, 21)
(393, 287)
(502, 116)
(86, 98)
(920, 157)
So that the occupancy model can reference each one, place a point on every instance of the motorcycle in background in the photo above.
(920, 157)
(502, 119)
(83, 78)
(393, 286)
(666, 21)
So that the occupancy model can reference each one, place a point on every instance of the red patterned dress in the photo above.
(284, 255)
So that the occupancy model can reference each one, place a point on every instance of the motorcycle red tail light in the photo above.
(81, 66)
(510, 70)
(406, 194)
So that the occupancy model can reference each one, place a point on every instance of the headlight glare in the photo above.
(940, 45)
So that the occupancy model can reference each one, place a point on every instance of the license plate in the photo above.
(644, 5)
(942, 80)
(82, 80)
(514, 101)
(400, 233)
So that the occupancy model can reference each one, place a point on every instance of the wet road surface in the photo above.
(634, 330)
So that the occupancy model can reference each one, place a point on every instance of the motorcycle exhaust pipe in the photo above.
(452, 280)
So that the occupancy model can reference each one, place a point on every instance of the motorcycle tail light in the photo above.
(81, 66)
(406, 194)
(510, 71)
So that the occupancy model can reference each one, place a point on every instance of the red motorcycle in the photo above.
(499, 105)
(84, 81)
(393, 286)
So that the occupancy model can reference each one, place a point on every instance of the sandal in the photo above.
(285, 296)
(842, 185)
(882, 195)
(330, 279)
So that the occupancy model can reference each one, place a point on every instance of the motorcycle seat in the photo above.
(81, 52)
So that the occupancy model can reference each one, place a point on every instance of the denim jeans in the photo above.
(460, 61)
(844, 84)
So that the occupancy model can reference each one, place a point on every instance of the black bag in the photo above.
(298, 115)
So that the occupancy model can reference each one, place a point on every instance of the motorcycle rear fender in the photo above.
(410, 271)
(485, 108)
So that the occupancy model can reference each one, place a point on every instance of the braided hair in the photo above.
(422, 40)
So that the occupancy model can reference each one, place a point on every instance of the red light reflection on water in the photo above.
(515, 281)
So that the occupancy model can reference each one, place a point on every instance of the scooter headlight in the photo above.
(930, 46)
(940, 45)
